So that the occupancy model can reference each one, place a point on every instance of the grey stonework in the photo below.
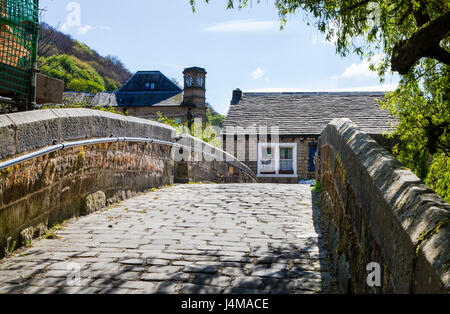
(201, 238)
(94, 201)
(299, 118)
(379, 211)
(78, 180)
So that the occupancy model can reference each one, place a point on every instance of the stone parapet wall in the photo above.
(49, 189)
(26, 131)
(43, 191)
(214, 165)
(378, 211)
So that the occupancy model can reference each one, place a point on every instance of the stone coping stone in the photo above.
(23, 132)
(408, 220)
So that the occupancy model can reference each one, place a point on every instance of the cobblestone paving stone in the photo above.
(196, 238)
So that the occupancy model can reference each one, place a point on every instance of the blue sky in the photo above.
(239, 49)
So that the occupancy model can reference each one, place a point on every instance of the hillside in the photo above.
(81, 68)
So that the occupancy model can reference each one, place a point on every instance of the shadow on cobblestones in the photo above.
(230, 243)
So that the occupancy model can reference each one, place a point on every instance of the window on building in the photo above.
(277, 159)
(286, 160)
(149, 85)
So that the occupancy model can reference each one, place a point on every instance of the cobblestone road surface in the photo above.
(204, 238)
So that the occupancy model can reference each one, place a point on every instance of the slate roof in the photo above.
(135, 93)
(309, 113)
(137, 83)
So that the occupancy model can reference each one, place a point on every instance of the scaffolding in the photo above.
(18, 49)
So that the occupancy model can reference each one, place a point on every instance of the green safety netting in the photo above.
(18, 43)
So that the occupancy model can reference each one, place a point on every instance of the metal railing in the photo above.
(56, 147)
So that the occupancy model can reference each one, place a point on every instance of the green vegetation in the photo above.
(410, 37)
(317, 188)
(207, 134)
(425, 235)
(13, 246)
(438, 176)
(213, 117)
(50, 234)
(77, 75)
(81, 68)
(69, 103)
(424, 111)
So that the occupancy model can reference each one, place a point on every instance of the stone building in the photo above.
(278, 132)
(149, 92)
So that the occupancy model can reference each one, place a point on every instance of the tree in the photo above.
(213, 117)
(207, 134)
(412, 38)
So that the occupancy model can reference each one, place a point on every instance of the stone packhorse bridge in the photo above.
(131, 229)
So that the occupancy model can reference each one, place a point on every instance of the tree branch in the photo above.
(421, 16)
(424, 43)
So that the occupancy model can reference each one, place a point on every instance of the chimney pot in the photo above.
(237, 95)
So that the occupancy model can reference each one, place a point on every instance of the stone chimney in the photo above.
(194, 87)
(237, 95)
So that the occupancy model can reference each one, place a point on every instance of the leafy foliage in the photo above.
(438, 177)
(317, 187)
(421, 103)
(214, 118)
(364, 27)
(81, 68)
(76, 74)
(410, 37)
(207, 134)
(70, 103)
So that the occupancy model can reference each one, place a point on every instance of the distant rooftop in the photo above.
(195, 68)
(352, 93)
(308, 113)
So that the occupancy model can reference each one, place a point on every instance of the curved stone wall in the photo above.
(379, 212)
(43, 191)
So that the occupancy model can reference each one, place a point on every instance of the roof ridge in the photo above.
(151, 71)
(315, 93)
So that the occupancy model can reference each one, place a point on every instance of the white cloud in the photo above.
(239, 26)
(361, 69)
(84, 29)
(257, 73)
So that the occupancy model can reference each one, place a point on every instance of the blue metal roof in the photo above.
(146, 88)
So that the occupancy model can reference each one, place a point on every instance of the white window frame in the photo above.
(276, 149)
